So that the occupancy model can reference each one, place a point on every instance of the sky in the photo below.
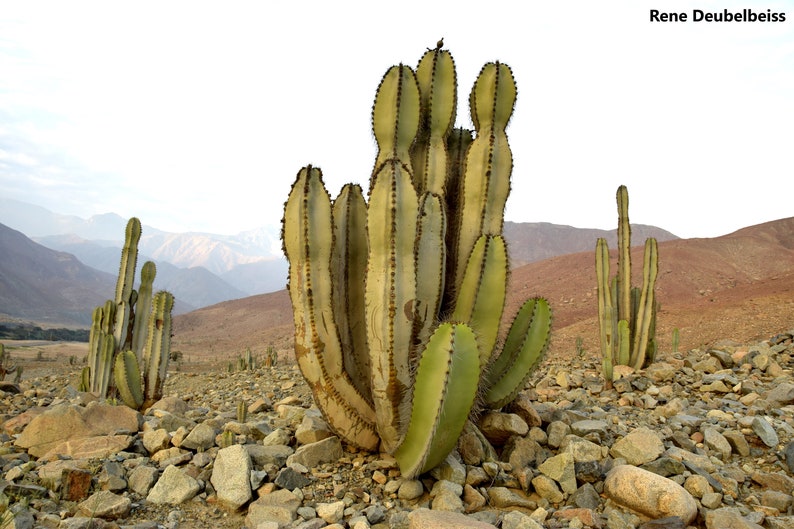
(197, 116)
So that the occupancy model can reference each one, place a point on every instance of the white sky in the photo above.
(196, 116)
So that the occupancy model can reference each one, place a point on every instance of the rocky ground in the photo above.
(699, 439)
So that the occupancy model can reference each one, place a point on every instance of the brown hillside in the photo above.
(739, 287)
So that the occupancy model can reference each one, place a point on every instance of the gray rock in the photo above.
(173, 487)
(410, 489)
(717, 442)
(312, 429)
(781, 394)
(289, 479)
(556, 432)
(267, 455)
(590, 427)
(201, 437)
(765, 432)
(231, 476)
(142, 479)
(314, 454)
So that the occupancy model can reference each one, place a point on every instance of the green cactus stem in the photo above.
(444, 392)
(127, 374)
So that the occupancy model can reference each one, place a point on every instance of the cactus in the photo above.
(242, 411)
(130, 337)
(398, 300)
(626, 314)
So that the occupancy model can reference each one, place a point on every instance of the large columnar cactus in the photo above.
(626, 314)
(130, 338)
(397, 300)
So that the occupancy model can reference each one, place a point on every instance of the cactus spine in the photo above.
(627, 315)
(384, 365)
(130, 332)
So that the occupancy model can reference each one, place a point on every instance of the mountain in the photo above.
(218, 253)
(534, 241)
(738, 286)
(192, 287)
(47, 286)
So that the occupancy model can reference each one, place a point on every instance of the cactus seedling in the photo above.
(400, 359)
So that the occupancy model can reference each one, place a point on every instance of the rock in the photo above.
(275, 455)
(781, 394)
(728, 518)
(156, 440)
(717, 442)
(648, 493)
(231, 476)
(290, 479)
(314, 454)
(498, 427)
(105, 504)
(503, 498)
(560, 468)
(174, 487)
(142, 479)
(547, 489)
(88, 447)
(280, 506)
(582, 450)
(331, 512)
(765, 432)
(428, 519)
(66, 422)
(519, 520)
(638, 447)
(201, 437)
(75, 484)
(410, 489)
(311, 430)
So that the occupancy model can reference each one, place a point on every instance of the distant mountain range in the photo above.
(77, 260)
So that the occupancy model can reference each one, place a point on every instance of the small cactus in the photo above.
(130, 336)
(626, 314)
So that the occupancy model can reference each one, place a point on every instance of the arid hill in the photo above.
(738, 287)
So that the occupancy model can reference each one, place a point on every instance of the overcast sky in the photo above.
(196, 116)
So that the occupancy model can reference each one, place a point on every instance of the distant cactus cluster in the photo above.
(130, 337)
(398, 298)
(626, 314)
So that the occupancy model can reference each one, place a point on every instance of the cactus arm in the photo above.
(458, 143)
(127, 375)
(349, 267)
(444, 392)
(101, 374)
(156, 355)
(430, 265)
(645, 312)
(129, 259)
(395, 115)
(624, 255)
(519, 362)
(481, 297)
(606, 334)
(143, 308)
(307, 235)
(435, 76)
(391, 294)
(489, 162)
